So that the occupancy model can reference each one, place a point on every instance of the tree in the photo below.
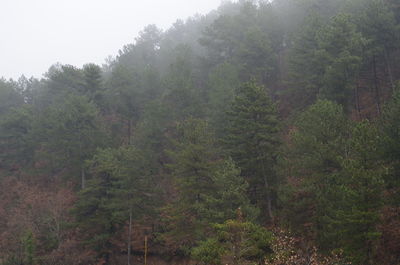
(62, 80)
(378, 24)
(182, 98)
(93, 84)
(252, 140)
(305, 67)
(390, 127)
(358, 214)
(333, 189)
(242, 37)
(93, 215)
(133, 188)
(209, 188)
(237, 241)
(222, 83)
(309, 164)
(340, 49)
(9, 96)
(16, 137)
(68, 133)
(119, 191)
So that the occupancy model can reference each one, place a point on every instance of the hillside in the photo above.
(261, 133)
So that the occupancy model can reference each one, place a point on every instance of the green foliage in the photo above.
(311, 161)
(181, 97)
(377, 23)
(325, 60)
(362, 187)
(245, 39)
(252, 140)
(236, 242)
(390, 129)
(305, 67)
(119, 187)
(335, 181)
(223, 82)
(16, 137)
(194, 145)
(209, 252)
(340, 49)
(9, 96)
(209, 187)
(61, 81)
(68, 132)
(29, 245)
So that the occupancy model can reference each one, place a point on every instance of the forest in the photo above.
(264, 132)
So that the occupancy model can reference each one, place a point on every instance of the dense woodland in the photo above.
(260, 133)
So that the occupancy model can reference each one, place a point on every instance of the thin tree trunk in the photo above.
(129, 236)
(130, 131)
(357, 99)
(83, 177)
(377, 93)
(145, 250)
(268, 193)
(389, 69)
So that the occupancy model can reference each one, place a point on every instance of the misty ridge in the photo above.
(263, 132)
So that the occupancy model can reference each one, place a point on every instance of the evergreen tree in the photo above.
(340, 49)
(222, 85)
(333, 189)
(16, 137)
(390, 127)
(209, 188)
(9, 96)
(309, 163)
(252, 141)
(119, 191)
(358, 214)
(68, 133)
(93, 84)
(181, 97)
(378, 25)
(305, 67)
(237, 242)
(94, 217)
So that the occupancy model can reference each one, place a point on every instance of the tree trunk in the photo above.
(377, 93)
(130, 131)
(83, 177)
(268, 193)
(389, 69)
(129, 237)
(357, 99)
(145, 250)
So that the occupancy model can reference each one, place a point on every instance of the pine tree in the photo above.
(94, 217)
(68, 133)
(340, 50)
(252, 141)
(118, 192)
(305, 67)
(390, 129)
(16, 137)
(359, 212)
(310, 164)
(209, 188)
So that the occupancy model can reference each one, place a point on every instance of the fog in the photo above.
(37, 34)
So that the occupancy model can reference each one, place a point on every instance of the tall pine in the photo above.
(252, 141)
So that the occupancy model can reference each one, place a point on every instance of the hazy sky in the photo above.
(38, 33)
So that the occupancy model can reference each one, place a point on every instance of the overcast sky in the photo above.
(38, 33)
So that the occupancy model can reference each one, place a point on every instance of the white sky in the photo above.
(34, 34)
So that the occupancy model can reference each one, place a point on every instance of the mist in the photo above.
(37, 34)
